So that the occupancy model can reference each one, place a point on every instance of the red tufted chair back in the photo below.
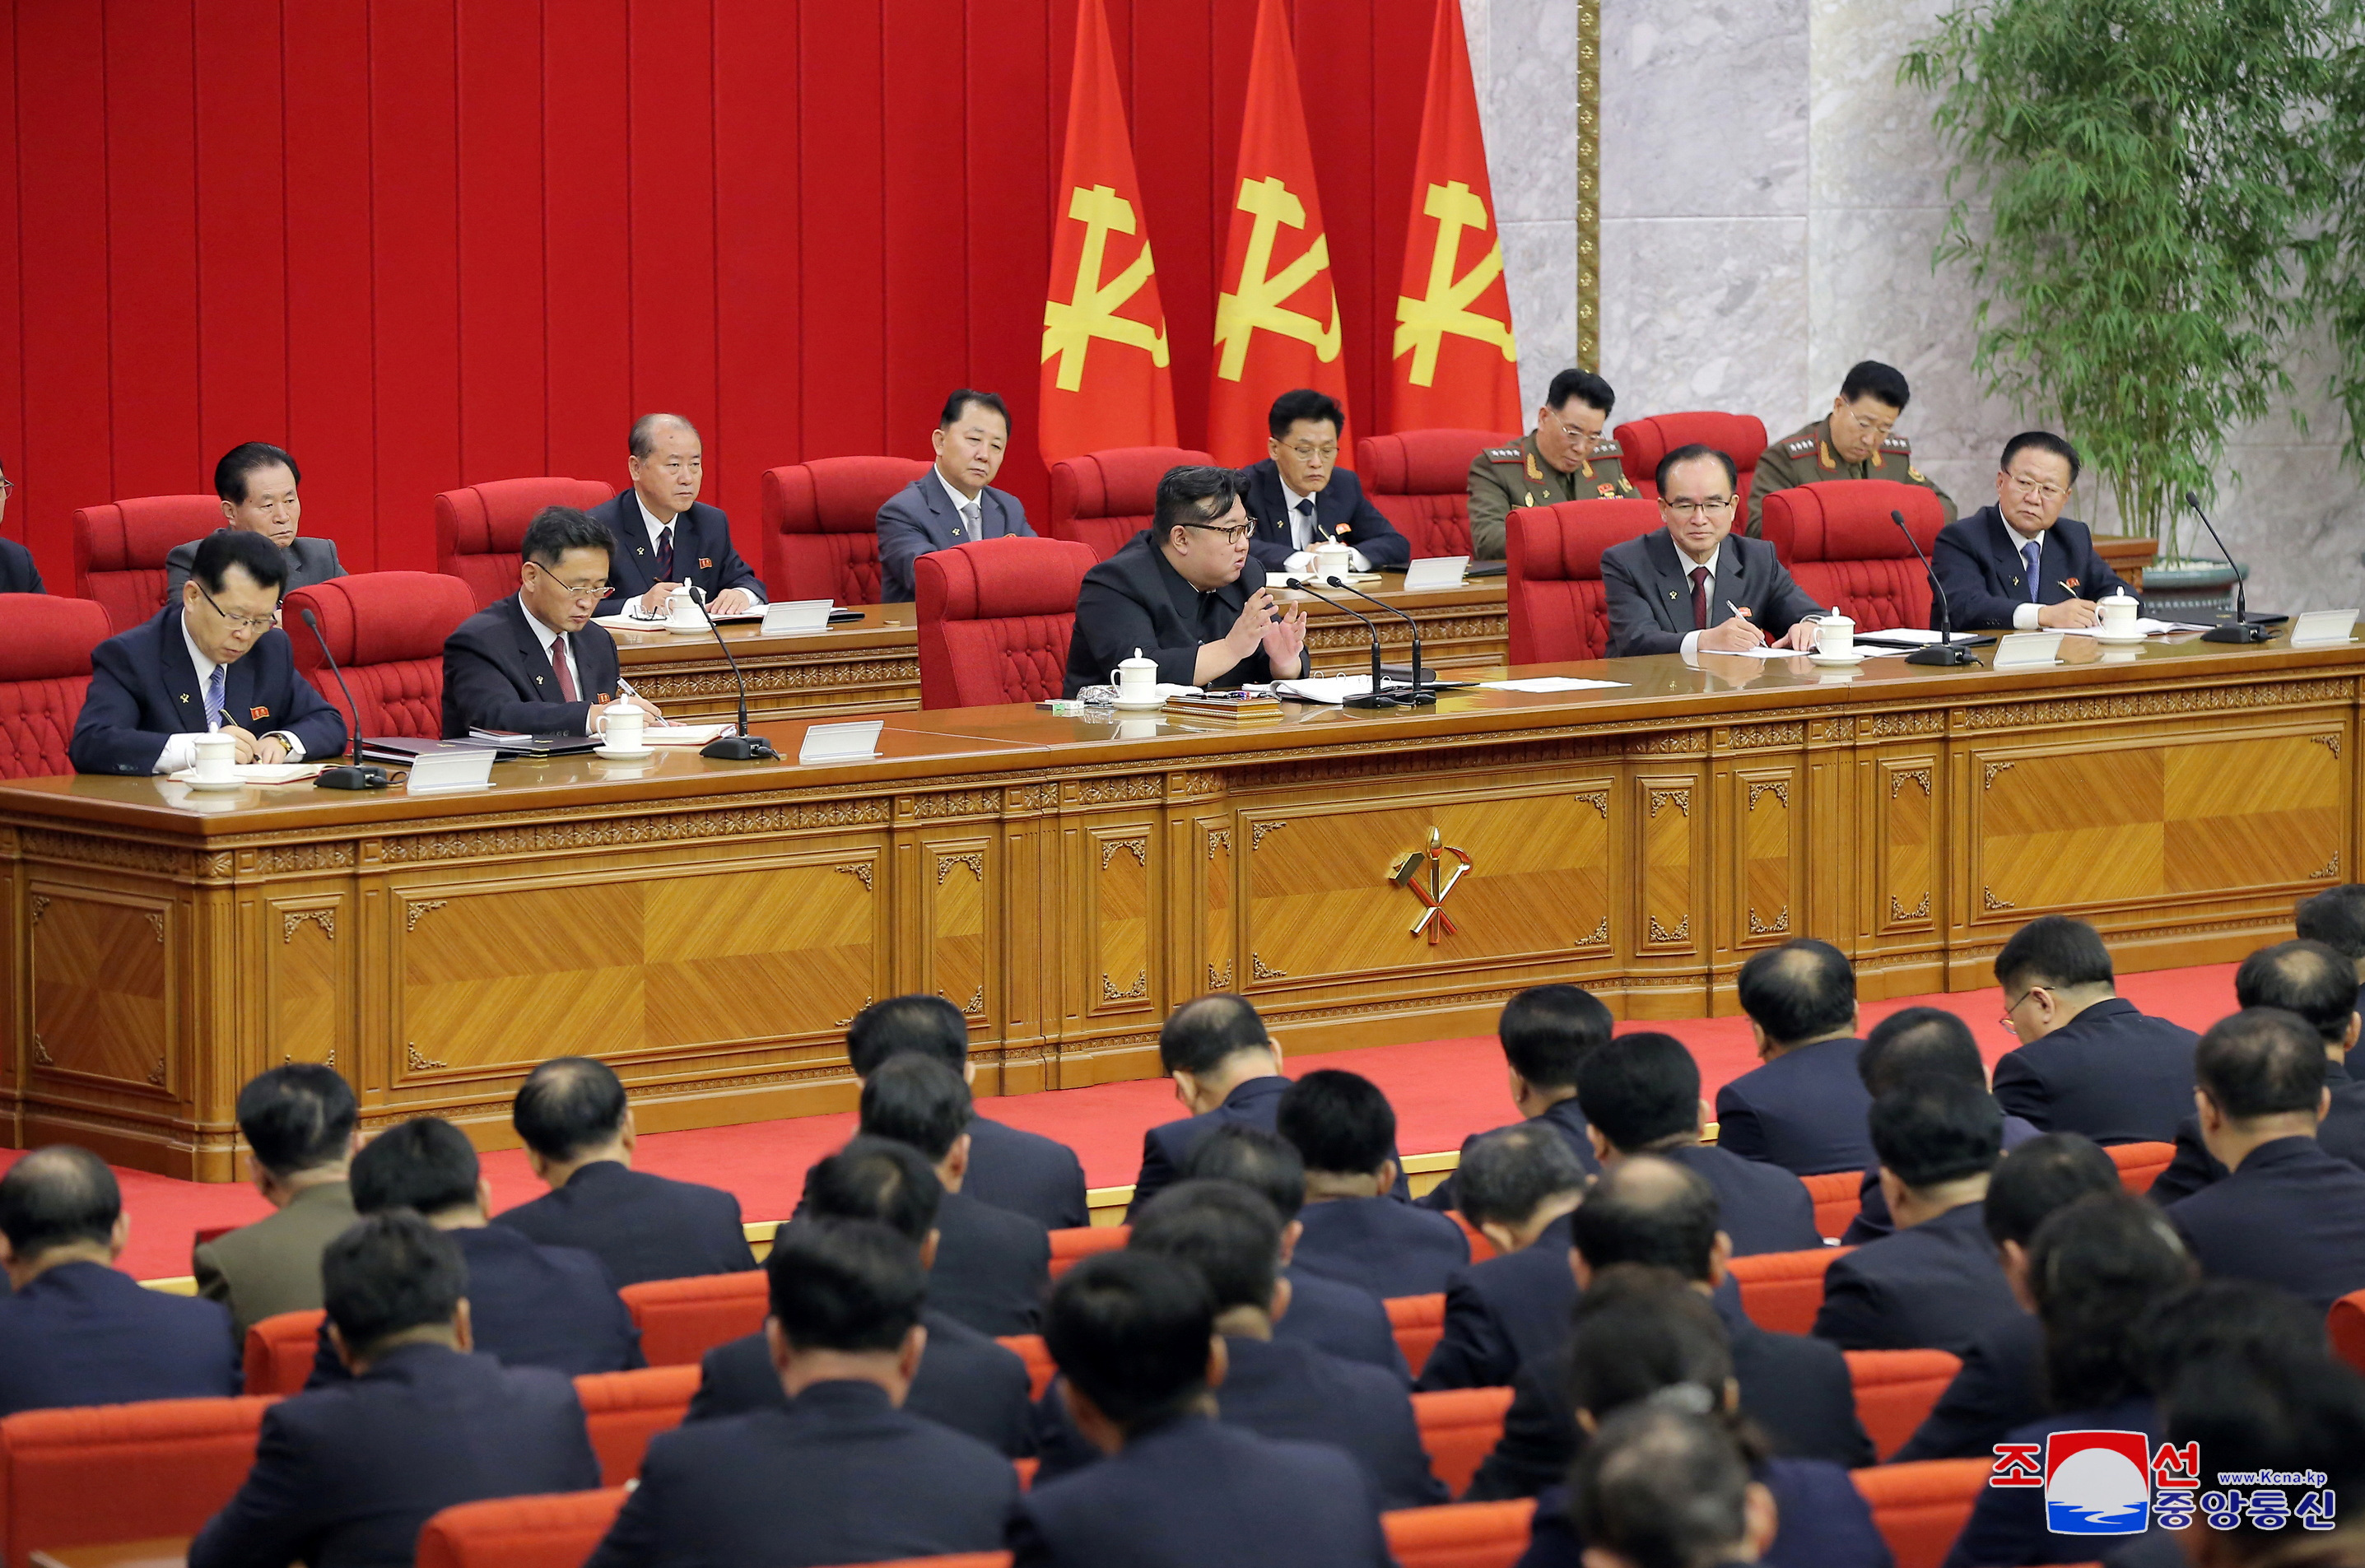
(821, 525)
(1104, 499)
(1554, 581)
(119, 551)
(479, 531)
(386, 630)
(996, 618)
(1421, 481)
(1741, 437)
(1841, 547)
(45, 643)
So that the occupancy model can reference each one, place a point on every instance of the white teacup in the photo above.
(1835, 635)
(685, 612)
(1333, 560)
(216, 760)
(622, 728)
(2119, 609)
(1136, 677)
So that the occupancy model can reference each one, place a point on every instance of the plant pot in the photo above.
(2189, 590)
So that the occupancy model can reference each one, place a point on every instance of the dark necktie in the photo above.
(558, 667)
(1700, 599)
(665, 557)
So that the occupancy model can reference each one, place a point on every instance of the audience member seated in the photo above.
(2336, 917)
(1804, 1109)
(954, 502)
(1663, 1488)
(665, 538)
(2289, 1213)
(965, 1381)
(17, 572)
(78, 1331)
(1920, 1042)
(1645, 1342)
(1023, 1172)
(2001, 1384)
(1232, 1239)
(1642, 1093)
(1645, 1210)
(1937, 1284)
(301, 1126)
(992, 1267)
(842, 1472)
(1139, 1357)
(529, 1304)
(578, 1137)
(345, 1476)
(1355, 1230)
(257, 482)
(1519, 1187)
(1547, 1031)
(2088, 1062)
(536, 663)
(1299, 497)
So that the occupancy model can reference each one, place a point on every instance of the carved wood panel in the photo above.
(1766, 803)
(310, 950)
(1218, 940)
(1113, 867)
(1905, 836)
(104, 982)
(956, 898)
(1668, 848)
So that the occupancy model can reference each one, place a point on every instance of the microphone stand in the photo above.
(1421, 696)
(357, 776)
(743, 746)
(2241, 629)
(1375, 698)
(1945, 650)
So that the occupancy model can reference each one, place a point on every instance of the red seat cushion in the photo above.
(386, 630)
(1843, 547)
(821, 525)
(1421, 481)
(1104, 499)
(996, 618)
(553, 1530)
(1553, 585)
(480, 529)
(45, 643)
(119, 551)
(89, 1475)
(1741, 437)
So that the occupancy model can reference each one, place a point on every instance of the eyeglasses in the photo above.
(1231, 536)
(1305, 453)
(2039, 491)
(1717, 508)
(2013, 1006)
(572, 590)
(1572, 433)
(252, 622)
(6, 486)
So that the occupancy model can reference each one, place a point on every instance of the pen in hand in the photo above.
(627, 687)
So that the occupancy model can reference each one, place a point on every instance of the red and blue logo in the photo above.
(2095, 1483)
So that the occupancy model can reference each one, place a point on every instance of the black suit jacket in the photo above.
(1937, 1286)
(1647, 590)
(1341, 1320)
(1133, 599)
(1565, 1117)
(1341, 512)
(1504, 1313)
(920, 519)
(703, 552)
(1026, 1173)
(18, 573)
(2290, 1215)
(308, 560)
(1805, 1111)
(641, 1227)
(1386, 1247)
(86, 1334)
(838, 1475)
(2001, 1385)
(1872, 1219)
(2111, 1073)
(345, 1476)
(2341, 1133)
(1761, 1206)
(1254, 1103)
(993, 1269)
(1978, 563)
(965, 1382)
(143, 692)
(497, 676)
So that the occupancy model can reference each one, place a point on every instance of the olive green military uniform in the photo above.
(1503, 477)
(1807, 458)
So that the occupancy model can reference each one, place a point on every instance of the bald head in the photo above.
(56, 1200)
(648, 427)
(2310, 979)
(1648, 1210)
(1797, 993)
(1201, 1036)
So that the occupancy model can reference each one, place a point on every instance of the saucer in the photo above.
(216, 783)
(1852, 656)
(2120, 638)
(1138, 705)
(614, 755)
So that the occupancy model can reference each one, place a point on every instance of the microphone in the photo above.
(1421, 696)
(743, 746)
(1945, 650)
(1375, 698)
(2241, 629)
(355, 777)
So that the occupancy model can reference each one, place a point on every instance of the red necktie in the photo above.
(558, 667)
(1700, 599)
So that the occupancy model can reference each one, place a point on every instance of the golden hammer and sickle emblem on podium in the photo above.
(1257, 302)
(1423, 871)
(1069, 326)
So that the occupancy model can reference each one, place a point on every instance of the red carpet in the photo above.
(1442, 1089)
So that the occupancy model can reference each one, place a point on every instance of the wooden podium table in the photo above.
(710, 927)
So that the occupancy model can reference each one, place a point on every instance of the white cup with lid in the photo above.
(1333, 559)
(1835, 635)
(2119, 609)
(623, 726)
(686, 615)
(216, 760)
(1136, 679)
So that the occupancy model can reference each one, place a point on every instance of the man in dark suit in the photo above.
(1300, 497)
(1641, 1094)
(1546, 1031)
(1938, 1283)
(1694, 585)
(1918, 1042)
(346, 1477)
(301, 1124)
(841, 1473)
(1022, 1171)
(954, 502)
(257, 482)
(2336, 917)
(1355, 1228)
(214, 662)
(579, 1135)
(664, 537)
(992, 1267)
(1134, 1337)
(78, 1331)
(2020, 562)
(2088, 1062)
(18, 573)
(1804, 1109)
(1519, 1186)
(536, 663)
(2290, 1215)
(1183, 593)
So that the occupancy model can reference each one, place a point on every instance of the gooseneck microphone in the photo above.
(355, 775)
(1945, 650)
(2241, 629)
(1376, 696)
(1421, 696)
(743, 746)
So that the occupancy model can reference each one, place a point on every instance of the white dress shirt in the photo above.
(960, 501)
(650, 521)
(181, 750)
(2024, 616)
(1714, 563)
(1301, 536)
(553, 650)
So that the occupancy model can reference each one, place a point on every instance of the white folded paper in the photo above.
(1548, 683)
(260, 772)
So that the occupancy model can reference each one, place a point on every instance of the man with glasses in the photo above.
(536, 663)
(1695, 587)
(664, 538)
(213, 662)
(2088, 1062)
(1857, 440)
(2020, 562)
(1564, 458)
(1301, 497)
(18, 573)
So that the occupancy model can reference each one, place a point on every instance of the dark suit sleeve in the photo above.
(2193, 1169)
(1632, 629)
(902, 539)
(2021, 1092)
(639, 1534)
(178, 560)
(1969, 598)
(2006, 1527)
(1369, 531)
(328, 1369)
(483, 698)
(1785, 603)
(1539, 1439)
(1075, 1208)
(271, 1521)
(1403, 1478)
(1474, 1352)
(1111, 624)
(107, 737)
(1156, 1172)
(1851, 1314)
(1872, 1219)
(1978, 1409)
(336, 569)
(1737, 1128)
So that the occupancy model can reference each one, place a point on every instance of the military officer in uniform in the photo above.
(1564, 458)
(1856, 440)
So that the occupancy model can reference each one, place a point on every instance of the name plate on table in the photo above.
(841, 743)
(796, 615)
(2321, 626)
(1436, 572)
(458, 768)
(2026, 650)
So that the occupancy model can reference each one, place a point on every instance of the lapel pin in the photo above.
(185, 698)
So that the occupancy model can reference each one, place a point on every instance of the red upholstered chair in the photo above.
(1460, 1535)
(1741, 437)
(1104, 499)
(1030, 1349)
(1783, 1291)
(1554, 581)
(1920, 1508)
(100, 1473)
(1894, 1390)
(1419, 1322)
(386, 630)
(2140, 1163)
(681, 1320)
(45, 643)
(1459, 1428)
(1842, 546)
(821, 525)
(1071, 1246)
(119, 550)
(2346, 1327)
(1837, 1197)
(478, 529)
(996, 618)
(623, 1410)
(279, 1351)
(1420, 481)
(556, 1530)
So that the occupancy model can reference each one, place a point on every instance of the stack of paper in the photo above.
(262, 772)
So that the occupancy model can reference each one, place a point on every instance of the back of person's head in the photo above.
(1648, 1210)
(2246, 1319)
(62, 1195)
(2306, 977)
(2261, 1061)
(425, 1164)
(298, 1117)
(556, 529)
(845, 1284)
(2053, 950)
(1549, 1030)
(1804, 989)
(2049, 1172)
(1640, 1089)
(1203, 1034)
(1506, 1176)
(1193, 493)
(1662, 1487)
(1639, 1333)
(1264, 1162)
(878, 1180)
(258, 557)
(1920, 1042)
(1339, 1122)
(390, 1273)
(918, 1101)
(1228, 1232)
(1930, 1131)
(2336, 917)
(2292, 1413)
(2096, 1268)
(926, 1025)
(569, 1107)
(1131, 1331)
(1883, 383)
